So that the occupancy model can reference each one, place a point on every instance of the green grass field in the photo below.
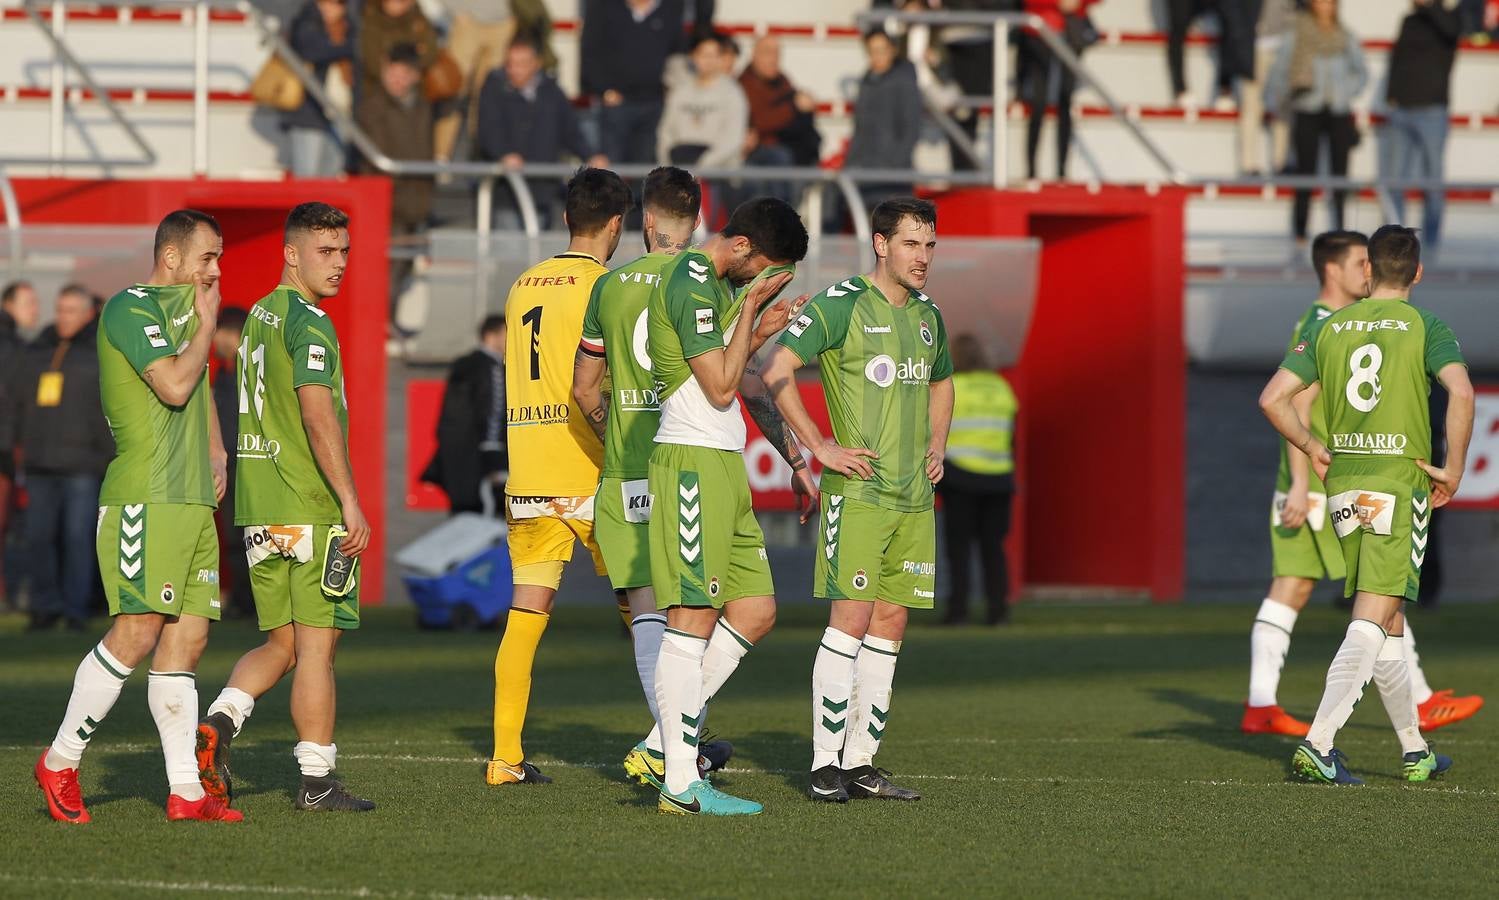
(1082, 751)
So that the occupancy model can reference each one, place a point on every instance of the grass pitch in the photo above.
(1083, 751)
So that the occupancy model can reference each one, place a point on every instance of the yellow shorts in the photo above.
(548, 539)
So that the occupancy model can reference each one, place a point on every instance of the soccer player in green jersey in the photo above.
(1373, 360)
(1304, 547)
(707, 553)
(295, 499)
(887, 377)
(157, 544)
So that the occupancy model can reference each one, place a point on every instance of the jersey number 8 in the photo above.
(1364, 366)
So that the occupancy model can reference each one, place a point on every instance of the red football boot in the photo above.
(64, 799)
(1442, 709)
(209, 809)
(1271, 720)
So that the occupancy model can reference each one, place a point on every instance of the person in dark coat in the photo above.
(54, 423)
(323, 35)
(234, 592)
(625, 44)
(470, 463)
(18, 312)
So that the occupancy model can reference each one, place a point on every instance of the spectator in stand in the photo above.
(1039, 70)
(385, 24)
(979, 485)
(399, 120)
(525, 118)
(781, 129)
(471, 462)
(19, 312)
(887, 120)
(1236, 29)
(323, 35)
(625, 45)
(1270, 29)
(54, 419)
(970, 59)
(705, 120)
(1318, 73)
(234, 593)
(1413, 142)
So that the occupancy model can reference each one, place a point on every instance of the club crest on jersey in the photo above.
(167, 596)
(861, 580)
(713, 586)
(704, 321)
(926, 333)
(802, 323)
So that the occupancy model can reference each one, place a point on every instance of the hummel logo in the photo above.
(697, 271)
(310, 800)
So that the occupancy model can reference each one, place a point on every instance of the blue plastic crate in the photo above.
(473, 594)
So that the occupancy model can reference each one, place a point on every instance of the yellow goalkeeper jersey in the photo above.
(553, 450)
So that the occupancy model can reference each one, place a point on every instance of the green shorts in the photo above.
(1311, 551)
(706, 546)
(867, 552)
(289, 590)
(621, 513)
(1381, 510)
(159, 558)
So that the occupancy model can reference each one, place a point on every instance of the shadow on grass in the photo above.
(1221, 728)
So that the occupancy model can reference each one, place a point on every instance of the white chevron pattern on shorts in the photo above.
(130, 570)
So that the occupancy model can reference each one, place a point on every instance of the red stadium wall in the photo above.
(1102, 384)
(251, 215)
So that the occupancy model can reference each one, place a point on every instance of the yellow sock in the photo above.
(622, 603)
(512, 680)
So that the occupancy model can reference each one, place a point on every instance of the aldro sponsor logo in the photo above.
(885, 371)
(257, 446)
(1373, 444)
(542, 414)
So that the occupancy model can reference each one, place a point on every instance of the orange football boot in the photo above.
(1442, 709)
(208, 809)
(64, 799)
(1272, 720)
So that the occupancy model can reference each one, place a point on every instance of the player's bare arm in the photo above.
(773, 425)
(218, 458)
(1276, 403)
(779, 376)
(174, 378)
(1298, 503)
(939, 410)
(325, 437)
(1445, 481)
(588, 389)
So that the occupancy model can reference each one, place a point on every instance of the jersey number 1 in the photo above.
(246, 357)
(533, 318)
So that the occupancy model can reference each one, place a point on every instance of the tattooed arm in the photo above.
(763, 410)
(589, 370)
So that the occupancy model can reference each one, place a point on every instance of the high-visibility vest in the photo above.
(983, 423)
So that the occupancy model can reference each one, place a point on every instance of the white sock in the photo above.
(725, 649)
(96, 687)
(234, 703)
(316, 760)
(646, 630)
(1392, 677)
(1349, 673)
(679, 697)
(1420, 690)
(874, 673)
(173, 698)
(1269, 641)
(832, 688)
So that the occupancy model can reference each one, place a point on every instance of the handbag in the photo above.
(276, 85)
(1079, 32)
(443, 80)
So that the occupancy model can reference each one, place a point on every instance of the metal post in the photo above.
(484, 229)
(200, 88)
(12, 208)
(55, 148)
(999, 124)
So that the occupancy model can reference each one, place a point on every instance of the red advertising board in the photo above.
(769, 475)
(1480, 487)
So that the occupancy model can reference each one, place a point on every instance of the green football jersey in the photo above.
(1318, 424)
(878, 361)
(161, 451)
(1374, 360)
(692, 311)
(288, 343)
(615, 325)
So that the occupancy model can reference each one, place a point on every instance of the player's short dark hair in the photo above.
(491, 324)
(314, 216)
(888, 215)
(404, 53)
(1331, 248)
(8, 294)
(772, 227)
(1394, 256)
(233, 318)
(594, 196)
(672, 192)
(178, 228)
